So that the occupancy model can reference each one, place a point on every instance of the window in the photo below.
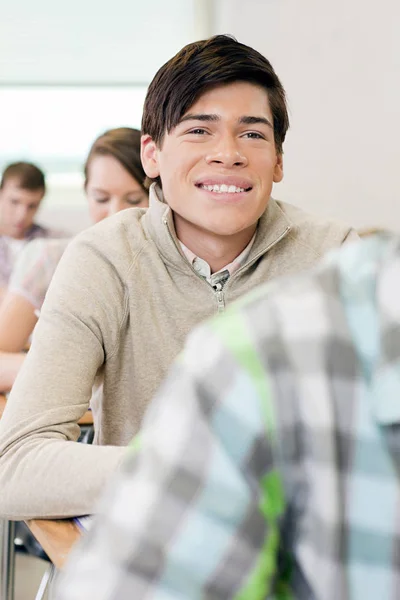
(55, 126)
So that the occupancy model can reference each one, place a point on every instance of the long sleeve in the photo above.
(351, 236)
(186, 509)
(43, 471)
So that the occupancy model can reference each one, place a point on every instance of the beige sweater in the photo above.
(118, 310)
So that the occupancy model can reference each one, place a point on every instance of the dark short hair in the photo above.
(200, 66)
(123, 144)
(27, 175)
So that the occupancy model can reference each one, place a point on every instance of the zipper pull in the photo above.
(220, 297)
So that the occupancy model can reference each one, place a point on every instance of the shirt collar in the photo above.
(203, 268)
(158, 224)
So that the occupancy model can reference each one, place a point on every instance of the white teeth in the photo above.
(223, 188)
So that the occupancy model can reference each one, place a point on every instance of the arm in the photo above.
(3, 290)
(10, 364)
(17, 321)
(351, 236)
(43, 473)
(186, 510)
(27, 289)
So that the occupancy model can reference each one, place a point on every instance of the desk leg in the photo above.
(7, 564)
(46, 583)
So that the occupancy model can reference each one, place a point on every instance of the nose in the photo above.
(114, 206)
(227, 153)
(22, 213)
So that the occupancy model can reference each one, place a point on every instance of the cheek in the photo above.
(179, 165)
(144, 204)
(97, 212)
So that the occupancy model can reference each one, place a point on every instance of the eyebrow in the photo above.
(100, 190)
(245, 120)
(200, 117)
(130, 193)
(248, 120)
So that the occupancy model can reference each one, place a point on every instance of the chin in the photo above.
(227, 230)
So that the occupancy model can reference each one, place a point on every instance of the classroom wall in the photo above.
(340, 64)
(90, 42)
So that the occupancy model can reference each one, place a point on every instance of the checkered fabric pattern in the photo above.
(268, 464)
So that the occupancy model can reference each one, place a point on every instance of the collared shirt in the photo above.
(268, 465)
(204, 270)
(201, 266)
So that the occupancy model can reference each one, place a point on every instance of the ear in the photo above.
(149, 156)
(278, 171)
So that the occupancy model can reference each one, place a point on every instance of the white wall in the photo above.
(339, 61)
(65, 206)
(91, 41)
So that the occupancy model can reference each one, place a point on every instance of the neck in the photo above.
(7, 233)
(218, 251)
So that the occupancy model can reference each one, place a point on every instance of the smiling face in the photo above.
(110, 188)
(218, 165)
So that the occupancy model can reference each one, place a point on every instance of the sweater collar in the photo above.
(273, 225)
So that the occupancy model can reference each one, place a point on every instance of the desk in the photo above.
(56, 537)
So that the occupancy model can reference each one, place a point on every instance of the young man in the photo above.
(281, 476)
(22, 189)
(129, 290)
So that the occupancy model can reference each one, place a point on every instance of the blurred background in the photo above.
(70, 70)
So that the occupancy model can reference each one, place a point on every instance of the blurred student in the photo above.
(22, 189)
(128, 291)
(268, 465)
(114, 181)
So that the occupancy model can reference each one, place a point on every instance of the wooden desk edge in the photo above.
(56, 537)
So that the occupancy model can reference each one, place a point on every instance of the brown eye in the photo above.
(198, 131)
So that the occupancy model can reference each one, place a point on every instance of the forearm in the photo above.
(3, 291)
(43, 471)
(352, 236)
(52, 478)
(17, 321)
(10, 364)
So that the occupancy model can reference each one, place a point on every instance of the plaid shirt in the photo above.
(268, 465)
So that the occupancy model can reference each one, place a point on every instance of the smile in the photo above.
(223, 188)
